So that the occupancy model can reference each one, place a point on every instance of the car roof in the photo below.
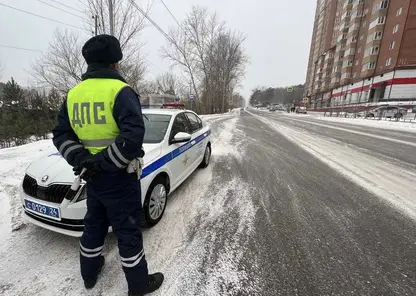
(164, 111)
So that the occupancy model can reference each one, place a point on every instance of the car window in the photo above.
(180, 124)
(195, 122)
(155, 127)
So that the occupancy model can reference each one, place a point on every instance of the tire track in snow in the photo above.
(394, 184)
(45, 263)
(218, 217)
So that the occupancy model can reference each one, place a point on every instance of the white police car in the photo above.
(176, 143)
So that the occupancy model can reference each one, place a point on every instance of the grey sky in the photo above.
(278, 36)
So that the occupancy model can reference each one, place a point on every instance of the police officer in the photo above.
(100, 128)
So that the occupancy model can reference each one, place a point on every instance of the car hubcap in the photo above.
(207, 155)
(157, 201)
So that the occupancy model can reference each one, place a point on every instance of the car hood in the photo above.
(53, 168)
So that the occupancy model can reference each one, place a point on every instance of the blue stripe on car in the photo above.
(172, 155)
(167, 157)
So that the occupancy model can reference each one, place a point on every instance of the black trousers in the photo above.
(114, 199)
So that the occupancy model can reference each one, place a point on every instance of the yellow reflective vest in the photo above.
(90, 111)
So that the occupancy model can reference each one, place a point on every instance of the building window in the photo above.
(357, 62)
(347, 64)
(375, 36)
(392, 43)
(395, 28)
(369, 66)
(379, 21)
(399, 11)
(374, 50)
(359, 50)
(354, 38)
(382, 5)
(388, 62)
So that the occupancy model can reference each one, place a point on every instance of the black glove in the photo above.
(92, 166)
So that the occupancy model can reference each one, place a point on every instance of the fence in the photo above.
(392, 116)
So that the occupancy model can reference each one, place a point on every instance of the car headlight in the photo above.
(83, 194)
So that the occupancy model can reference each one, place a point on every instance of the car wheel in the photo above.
(207, 157)
(398, 115)
(155, 202)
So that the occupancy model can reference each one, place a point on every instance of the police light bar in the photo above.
(174, 105)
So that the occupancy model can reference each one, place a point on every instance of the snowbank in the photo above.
(39, 262)
(386, 124)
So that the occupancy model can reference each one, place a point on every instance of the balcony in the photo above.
(378, 23)
(370, 58)
(354, 28)
(342, 38)
(349, 52)
(346, 18)
(344, 26)
(346, 66)
(381, 7)
(348, 4)
(329, 57)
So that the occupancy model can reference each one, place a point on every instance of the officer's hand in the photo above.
(77, 170)
(92, 166)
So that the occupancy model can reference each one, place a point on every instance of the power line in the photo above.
(152, 22)
(20, 48)
(170, 12)
(70, 7)
(40, 16)
(46, 3)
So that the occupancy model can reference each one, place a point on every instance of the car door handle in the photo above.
(193, 142)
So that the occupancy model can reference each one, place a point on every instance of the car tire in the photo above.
(398, 115)
(156, 196)
(207, 157)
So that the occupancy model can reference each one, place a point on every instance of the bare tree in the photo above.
(62, 66)
(169, 83)
(212, 56)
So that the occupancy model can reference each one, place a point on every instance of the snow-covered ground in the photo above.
(387, 124)
(286, 207)
(39, 262)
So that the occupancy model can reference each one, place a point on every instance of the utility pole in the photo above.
(111, 16)
(190, 92)
(96, 24)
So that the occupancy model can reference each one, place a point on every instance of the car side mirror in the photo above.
(181, 137)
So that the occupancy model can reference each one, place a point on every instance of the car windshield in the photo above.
(156, 126)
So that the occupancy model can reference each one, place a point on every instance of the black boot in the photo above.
(89, 284)
(155, 281)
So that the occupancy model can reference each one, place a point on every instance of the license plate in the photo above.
(43, 210)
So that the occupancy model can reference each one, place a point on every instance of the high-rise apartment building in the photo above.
(362, 51)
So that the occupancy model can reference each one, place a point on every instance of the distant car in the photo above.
(301, 109)
(388, 112)
(176, 142)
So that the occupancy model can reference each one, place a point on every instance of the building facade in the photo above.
(363, 52)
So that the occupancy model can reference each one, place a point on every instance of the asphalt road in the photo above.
(265, 218)
(317, 232)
